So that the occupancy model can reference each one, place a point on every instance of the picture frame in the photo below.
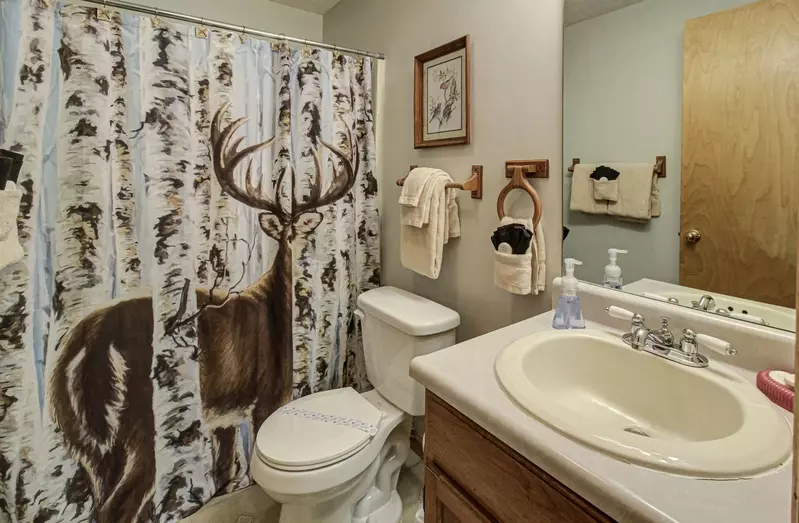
(442, 102)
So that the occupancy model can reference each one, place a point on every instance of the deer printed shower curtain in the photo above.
(199, 217)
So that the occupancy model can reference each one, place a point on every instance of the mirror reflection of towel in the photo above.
(607, 190)
(639, 195)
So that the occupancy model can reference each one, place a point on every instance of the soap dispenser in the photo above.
(613, 271)
(569, 314)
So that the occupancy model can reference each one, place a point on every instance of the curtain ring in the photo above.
(282, 40)
(201, 31)
(102, 12)
(157, 17)
(243, 35)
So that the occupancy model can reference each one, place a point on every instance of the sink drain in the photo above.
(637, 431)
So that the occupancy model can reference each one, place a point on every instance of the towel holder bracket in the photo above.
(660, 166)
(530, 168)
(474, 184)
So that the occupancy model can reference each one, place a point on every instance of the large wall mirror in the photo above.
(712, 86)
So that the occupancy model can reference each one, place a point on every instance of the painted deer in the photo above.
(101, 387)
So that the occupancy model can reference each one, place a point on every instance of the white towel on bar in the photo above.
(639, 196)
(582, 197)
(422, 247)
(10, 250)
(419, 215)
(414, 185)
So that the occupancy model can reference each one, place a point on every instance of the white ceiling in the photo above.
(314, 6)
(579, 10)
(575, 11)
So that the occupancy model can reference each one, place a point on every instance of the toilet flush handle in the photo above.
(359, 314)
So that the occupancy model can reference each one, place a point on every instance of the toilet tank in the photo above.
(397, 327)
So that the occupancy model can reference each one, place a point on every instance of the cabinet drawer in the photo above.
(505, 485)
(445, 503)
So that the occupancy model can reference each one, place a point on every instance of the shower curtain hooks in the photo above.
(201, 31)
(279, 41)
(102, 13)
(157, 18)
(243, 35)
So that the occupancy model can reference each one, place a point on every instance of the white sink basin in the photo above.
(591, 387)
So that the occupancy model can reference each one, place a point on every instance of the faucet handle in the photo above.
(622, 314)
(716, 345)
(691, 341)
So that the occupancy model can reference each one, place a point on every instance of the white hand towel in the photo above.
(637, 192)
(523, 273)
(513, 272)
(419, 216)
(422, 248)
(582, 197)
(10, 250)
(414, 185)
(453, 216)
(539, 260)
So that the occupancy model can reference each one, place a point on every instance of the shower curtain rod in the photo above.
(196, 20)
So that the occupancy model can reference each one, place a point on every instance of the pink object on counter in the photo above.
(776, 392)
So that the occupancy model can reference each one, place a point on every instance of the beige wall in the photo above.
(257, 14)
(516, 114)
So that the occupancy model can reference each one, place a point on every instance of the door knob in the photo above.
(693, 236)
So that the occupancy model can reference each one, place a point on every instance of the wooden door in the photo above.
(741, 152)
(445, 503)
(795, 497)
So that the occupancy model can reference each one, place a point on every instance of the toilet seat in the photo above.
(280, 482)
(318, 431)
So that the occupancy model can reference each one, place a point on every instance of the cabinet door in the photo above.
(445, 503)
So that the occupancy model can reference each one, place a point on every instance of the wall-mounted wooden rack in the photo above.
(530, 168)
(660, 166)
(474, 184)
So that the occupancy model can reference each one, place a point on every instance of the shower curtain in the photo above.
(199, 217)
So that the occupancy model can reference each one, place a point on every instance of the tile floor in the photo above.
(252, 505)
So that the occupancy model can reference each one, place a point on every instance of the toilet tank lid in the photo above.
(408, 312)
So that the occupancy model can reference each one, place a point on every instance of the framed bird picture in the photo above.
(441, 96)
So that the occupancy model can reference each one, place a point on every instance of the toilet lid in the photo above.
(317, 430)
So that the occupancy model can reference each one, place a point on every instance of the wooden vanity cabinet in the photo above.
(471, 477)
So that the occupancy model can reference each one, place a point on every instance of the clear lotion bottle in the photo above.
(569, 313)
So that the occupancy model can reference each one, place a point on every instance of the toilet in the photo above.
(334, 456)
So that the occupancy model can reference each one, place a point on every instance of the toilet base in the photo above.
(370, 498)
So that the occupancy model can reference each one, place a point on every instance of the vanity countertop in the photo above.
(463, 376)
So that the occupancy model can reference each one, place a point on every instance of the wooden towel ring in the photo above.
(519, 181)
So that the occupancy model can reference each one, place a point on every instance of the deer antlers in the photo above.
(342, 182)
(227, 157)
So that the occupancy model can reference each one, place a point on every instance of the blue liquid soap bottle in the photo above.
(569, 314)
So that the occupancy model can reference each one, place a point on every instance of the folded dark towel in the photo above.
(516, 235)
(605, 172)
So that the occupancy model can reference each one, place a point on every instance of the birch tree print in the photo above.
(18, 400)
(182, 450)
(187, 271)
(82, 279)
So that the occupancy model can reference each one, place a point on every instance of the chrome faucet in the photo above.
(662, 342)
(705, 303)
